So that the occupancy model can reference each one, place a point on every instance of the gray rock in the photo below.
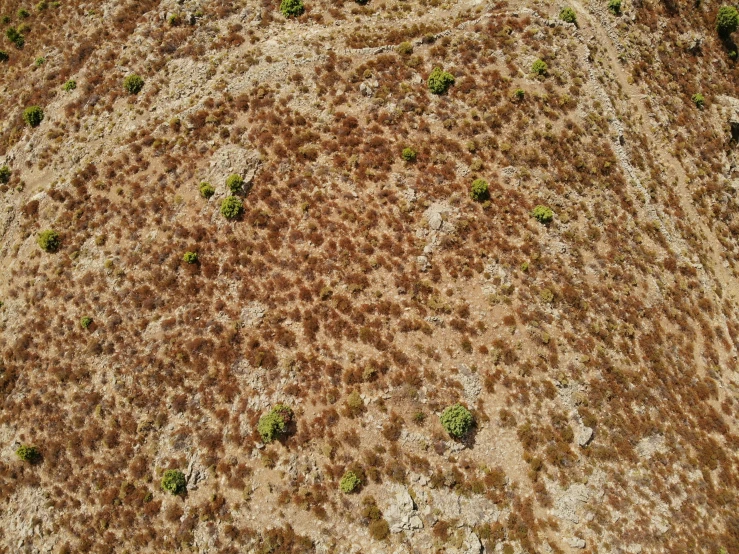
(584, 436)
(435, 221)
(576, 542)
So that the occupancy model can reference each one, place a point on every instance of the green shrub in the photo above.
(457, 420)
(235, 183)
(174, 20)
(49, 241)
(22, 13)
(539, 67)
(699, 101)
(405, 48)
(274, 423)
(439, 81)
(231, 207)
(33, 116)
(40, 61)
(16, 37)
(70, 85)
(568, 15)
(28, 453)
(190, 257)
(206, 190)
(4, 57)
(409, 154)
(614, 6)
(292, 8)
(5, 19)
(349, 482)
(173, 481)
(727, 21)
(479, 190)
(519, 94)
(133, 84)
(85, 322)
(5, 174)
(41, 6)
(542, 214)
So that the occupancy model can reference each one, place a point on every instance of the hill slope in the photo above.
(582, 307)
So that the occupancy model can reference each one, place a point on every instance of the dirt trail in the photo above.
(589, 25)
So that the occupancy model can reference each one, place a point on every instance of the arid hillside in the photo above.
(396, 276)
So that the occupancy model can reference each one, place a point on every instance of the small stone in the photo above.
(435, 221)
(576, 542)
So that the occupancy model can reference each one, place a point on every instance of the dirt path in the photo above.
(589, 25)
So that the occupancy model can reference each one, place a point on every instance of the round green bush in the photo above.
(568, 15)
(235, 183)
(28, 453)
(70, 85)
(479, 190)
(5, 174)
(408, 154)
(274, 423)
(22, 13)
(543, 214)
(4, 56)
(207, 190)
(49, 241)
(614, 6)
(16, 37)
(173, 481)
(231, 207)
(85, 322)
(699, 101)
(539, 67)
(457, 420)
(292, 8)
(133, 84)
(33, 116)
(349, 482)
(190, 257)
(404, 48)
(727, 20)
(439, 81)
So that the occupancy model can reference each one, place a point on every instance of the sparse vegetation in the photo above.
(457, 420)
(28, 453)
(568, 15)
(479, 190)
(33, 116)
(539, 68)
(292, 8)
(439, 81)
(409, 154)
(614, 6)
(207, 190)
(49, 240)
(727, 21)
(235, 183)
(349, 482)
(133, 84)
(274, 423)
(543, 214)
(699, 100)
(70, 85)
(173, 481)
(5, 174)
(231, 207)
(85, 322)
(16, 37)
(190, 257)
